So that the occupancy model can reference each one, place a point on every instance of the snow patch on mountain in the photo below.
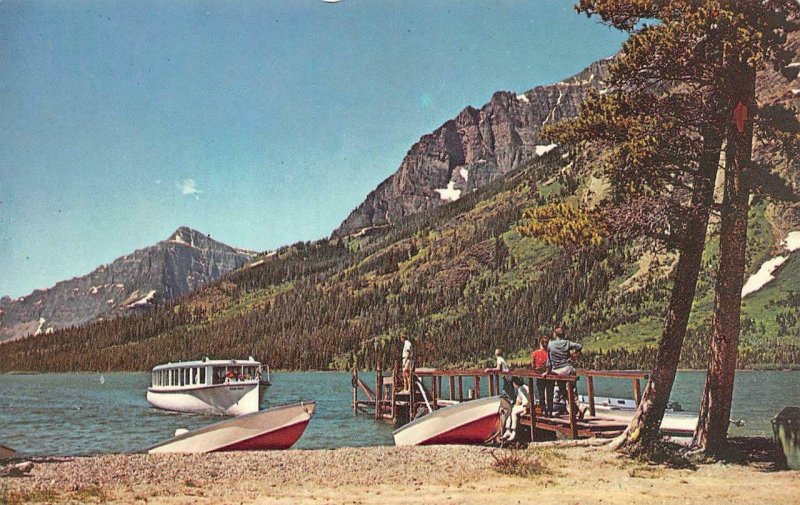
(450, 193)
(765, 274)
(39, 329)
(143, 301)
(542, 149)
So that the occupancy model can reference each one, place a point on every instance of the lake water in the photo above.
(74, 414)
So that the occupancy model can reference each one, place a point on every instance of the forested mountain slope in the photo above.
(460, 279)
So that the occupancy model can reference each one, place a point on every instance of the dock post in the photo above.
(434, 392)
(491, 385)
(451, 386)
(412, 393)
(637, 391)
(590, 393)
(354, 382)
(532, 408)
(460, 388)
(378, 393)
(477, 386)
(572, 407)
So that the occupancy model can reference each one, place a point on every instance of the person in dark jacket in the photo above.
(562, 353)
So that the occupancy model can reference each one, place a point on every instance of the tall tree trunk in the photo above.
(715, 408)
(643, 429)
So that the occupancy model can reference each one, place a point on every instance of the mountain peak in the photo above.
(185, 234)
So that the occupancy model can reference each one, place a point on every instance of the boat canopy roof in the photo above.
(208, 362)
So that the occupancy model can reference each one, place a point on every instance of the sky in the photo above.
(261, 123)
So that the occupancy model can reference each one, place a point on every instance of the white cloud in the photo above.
(188, 187)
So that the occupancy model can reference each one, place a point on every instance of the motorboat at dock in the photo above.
(227, 387)
(271, 429)
(675, 423)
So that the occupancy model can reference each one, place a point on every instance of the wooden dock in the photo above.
(435, 389)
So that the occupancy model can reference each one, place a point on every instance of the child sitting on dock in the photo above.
(521, 404)
(502, 367)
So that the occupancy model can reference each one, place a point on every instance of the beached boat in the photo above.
(229, 387)
(272, 429)
(7, 452)
(470, 422)
(675, 422)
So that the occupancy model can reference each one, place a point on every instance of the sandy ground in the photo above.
(398, 475)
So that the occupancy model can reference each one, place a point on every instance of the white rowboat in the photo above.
(272, 429)
(470, 422)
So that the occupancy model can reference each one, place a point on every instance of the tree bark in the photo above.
(643, 430)
(715, 408)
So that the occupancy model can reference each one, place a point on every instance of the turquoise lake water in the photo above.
(75, 414)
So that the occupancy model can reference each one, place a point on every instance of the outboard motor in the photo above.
(502, 417)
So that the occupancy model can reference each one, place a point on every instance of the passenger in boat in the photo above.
(540, 363)
(502, 367)
(521, 404)
(408, 363)
(562, 353)
(230, 376)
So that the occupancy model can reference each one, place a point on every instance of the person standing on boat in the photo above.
(521, 404)
(540, 363)
(562, 352)
(408, 363)
(502, 367)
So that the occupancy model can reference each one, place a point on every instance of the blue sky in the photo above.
(259, 122)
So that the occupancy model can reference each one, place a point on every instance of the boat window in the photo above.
(218, 376)
(202, 375)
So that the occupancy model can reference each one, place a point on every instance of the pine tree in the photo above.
(663, 126)
(755, 33)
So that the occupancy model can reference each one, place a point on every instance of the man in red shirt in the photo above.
(540, 362)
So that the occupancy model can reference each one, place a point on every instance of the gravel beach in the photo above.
(394, 475)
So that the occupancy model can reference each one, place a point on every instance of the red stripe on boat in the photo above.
(475, 432)
(279, 439)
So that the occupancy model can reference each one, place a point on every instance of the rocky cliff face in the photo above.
(166, 271)
(473, 149)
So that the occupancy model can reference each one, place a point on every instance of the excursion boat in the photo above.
(227, 387)
(675, 423)
(470, 422)
(271, 429)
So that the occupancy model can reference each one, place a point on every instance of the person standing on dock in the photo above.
(521, 404)
(562, 352)
(502, 367)
(408, 363)
(540, 363)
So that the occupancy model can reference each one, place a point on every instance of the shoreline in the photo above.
(765, 368)
(387, 474)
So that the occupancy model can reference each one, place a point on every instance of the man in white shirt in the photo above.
(408, 363)
(521, 404)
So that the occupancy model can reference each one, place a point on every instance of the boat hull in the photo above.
(272, 429)
(234, 399)
(7, 452)
(471, 422)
